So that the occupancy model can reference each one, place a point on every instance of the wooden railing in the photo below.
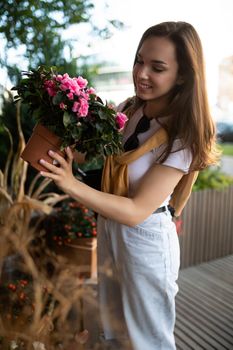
(207, 228)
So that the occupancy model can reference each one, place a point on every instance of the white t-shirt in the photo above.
(136, 170)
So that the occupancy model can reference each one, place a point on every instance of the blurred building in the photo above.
(225, 87)
(114, 83)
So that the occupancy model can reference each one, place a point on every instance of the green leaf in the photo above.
(76, 133)
(66, 119)
(57, 99)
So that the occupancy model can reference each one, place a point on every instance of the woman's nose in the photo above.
(143, 72)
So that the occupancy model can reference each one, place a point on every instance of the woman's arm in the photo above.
(155, 187)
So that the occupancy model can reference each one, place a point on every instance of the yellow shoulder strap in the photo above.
(115, 172)
(182, 192)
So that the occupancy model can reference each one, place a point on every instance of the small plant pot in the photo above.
(41, 141)
(81, 252)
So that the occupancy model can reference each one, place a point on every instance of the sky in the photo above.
(213, 20)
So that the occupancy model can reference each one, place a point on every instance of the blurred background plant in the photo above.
(39, 291)
(212, 178)
(68, 222)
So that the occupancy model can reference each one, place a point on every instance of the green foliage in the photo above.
(26, 21)
(212, 179)
(38, 26)
(227, 149)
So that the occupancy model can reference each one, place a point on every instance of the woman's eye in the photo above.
(158, 70)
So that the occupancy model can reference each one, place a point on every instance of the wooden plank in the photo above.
(204, 306)
(217, 335)
(215, 319)
(224, 300)
(209, 282)
(219, 272)
(208, 305)
(225, 263)
(197, 334)
(184, 341)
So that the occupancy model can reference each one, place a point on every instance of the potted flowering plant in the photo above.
(72, 112)
(70, 231)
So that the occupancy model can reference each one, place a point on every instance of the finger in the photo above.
(70, 155)
(51, 176)
(53, 168)
(58, 158)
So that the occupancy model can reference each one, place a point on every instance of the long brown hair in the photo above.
(190, 118)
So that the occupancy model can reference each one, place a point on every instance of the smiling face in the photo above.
(156, 70)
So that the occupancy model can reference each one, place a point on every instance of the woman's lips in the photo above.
(144, 86)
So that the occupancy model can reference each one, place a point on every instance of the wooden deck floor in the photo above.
(205, 306)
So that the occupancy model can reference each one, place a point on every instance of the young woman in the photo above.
(138, 249)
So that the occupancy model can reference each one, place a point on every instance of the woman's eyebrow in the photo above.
(160, 62)
(154, 61)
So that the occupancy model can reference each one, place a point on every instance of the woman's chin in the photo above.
(143, 96)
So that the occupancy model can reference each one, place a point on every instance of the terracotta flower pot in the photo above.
(41, 141)
(81, 252)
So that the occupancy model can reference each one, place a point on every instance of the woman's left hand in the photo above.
(62, 175)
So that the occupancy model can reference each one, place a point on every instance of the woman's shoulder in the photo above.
(180, 157)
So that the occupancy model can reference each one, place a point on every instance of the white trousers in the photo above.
(137, 272)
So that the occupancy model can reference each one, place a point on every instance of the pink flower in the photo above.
(49, 83)
(59, 77)
(62, 106)
(76, 89)
(71, 85)
(66, 76)
(83, 109)
(81, 82)
(70, 96)
(91, 91)
(121, 119)
(51, 92)
(50, 87)
(84, 95)
(75, 107)
(65, 85)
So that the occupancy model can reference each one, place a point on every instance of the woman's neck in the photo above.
(153, 109)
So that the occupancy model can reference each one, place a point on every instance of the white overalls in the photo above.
(138, 268)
